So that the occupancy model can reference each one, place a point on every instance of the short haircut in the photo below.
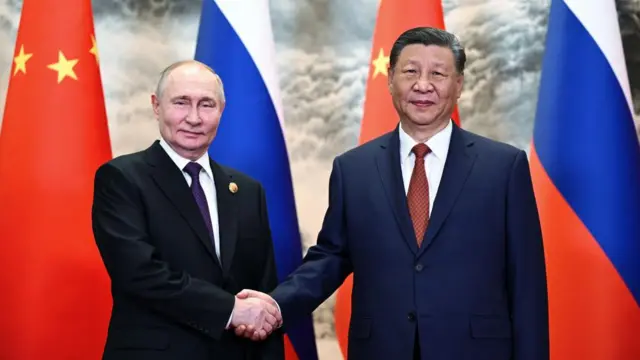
(167, 71)
(429, 36)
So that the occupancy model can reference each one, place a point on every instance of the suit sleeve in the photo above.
(527, 284)
(326, 264)
(119, 228)
(273, 346)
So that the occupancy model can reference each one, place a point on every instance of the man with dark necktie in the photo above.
(438, 225)
(180, 235)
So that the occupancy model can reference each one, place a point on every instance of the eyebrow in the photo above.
(434, 62)
(412, 62)
(185, 97)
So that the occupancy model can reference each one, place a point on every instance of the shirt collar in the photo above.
(181, 162)
(438, 143)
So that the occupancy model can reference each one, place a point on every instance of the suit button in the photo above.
(419, 267)
(411, 316)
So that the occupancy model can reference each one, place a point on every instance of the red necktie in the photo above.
(418, 194)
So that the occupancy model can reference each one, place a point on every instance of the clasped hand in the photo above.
(255, 315)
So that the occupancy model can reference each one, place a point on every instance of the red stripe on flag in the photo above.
(289, 351)
(584, 287)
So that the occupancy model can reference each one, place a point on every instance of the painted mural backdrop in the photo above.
(323, 49)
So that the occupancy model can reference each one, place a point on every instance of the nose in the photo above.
(423, 84)
(193, 118)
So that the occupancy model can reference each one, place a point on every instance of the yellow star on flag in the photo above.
(380, 64)
(21, 61)
(64, 67)
(94, 48)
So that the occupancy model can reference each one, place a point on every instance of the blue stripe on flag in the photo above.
(586, 141)
(250, 140)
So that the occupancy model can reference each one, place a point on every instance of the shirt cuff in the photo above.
(278, 306)
(229, 322)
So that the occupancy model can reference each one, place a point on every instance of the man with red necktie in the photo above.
(438, 225)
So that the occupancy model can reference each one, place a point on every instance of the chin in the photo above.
(427, 119)
(423, 121)
(191, 145)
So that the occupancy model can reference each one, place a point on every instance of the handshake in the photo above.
(255, 315)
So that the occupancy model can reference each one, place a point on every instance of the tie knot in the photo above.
(193, 169)
(421, 150)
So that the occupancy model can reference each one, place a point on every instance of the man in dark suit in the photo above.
(180, 235)
(438, 225)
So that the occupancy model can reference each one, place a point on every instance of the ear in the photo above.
(389, 79)
(155, 103)
(459, 85)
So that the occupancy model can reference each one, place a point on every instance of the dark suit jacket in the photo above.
(171, 297)
(475, 289)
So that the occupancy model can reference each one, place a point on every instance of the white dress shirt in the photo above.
(208, 185)
(434, 160)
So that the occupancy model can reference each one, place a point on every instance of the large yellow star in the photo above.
(380, 64)
(64, 67)
(94, 48)
(21, 61)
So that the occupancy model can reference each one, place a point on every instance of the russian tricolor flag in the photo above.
(586, 172)
(236, 40)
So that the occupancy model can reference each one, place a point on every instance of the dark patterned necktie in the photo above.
(418, 194)
(193, 169)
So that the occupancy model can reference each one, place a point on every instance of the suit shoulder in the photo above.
(126, 163)
(484, 144)
(123, 170)
(367, 149)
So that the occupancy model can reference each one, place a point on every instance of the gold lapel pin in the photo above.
(233, 188)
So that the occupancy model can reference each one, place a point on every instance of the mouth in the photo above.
(422, 103)
(190, 134)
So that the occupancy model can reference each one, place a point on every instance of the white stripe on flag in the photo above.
(251, 20)
(600, 19)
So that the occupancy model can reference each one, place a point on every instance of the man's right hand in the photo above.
(258, 317)
(248, 332)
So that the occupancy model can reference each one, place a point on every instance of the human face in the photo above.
(188, 110)
(425, 86)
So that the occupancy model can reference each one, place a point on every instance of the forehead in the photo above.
(432, 54)
(191, 81)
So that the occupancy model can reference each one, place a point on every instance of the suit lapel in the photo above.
(457, 167)
(388, 161)
(172, 183)
(227, 215)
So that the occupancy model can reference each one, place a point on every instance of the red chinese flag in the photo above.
(56, 301)
(394, 18)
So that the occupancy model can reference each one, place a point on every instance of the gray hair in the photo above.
(165, 74)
